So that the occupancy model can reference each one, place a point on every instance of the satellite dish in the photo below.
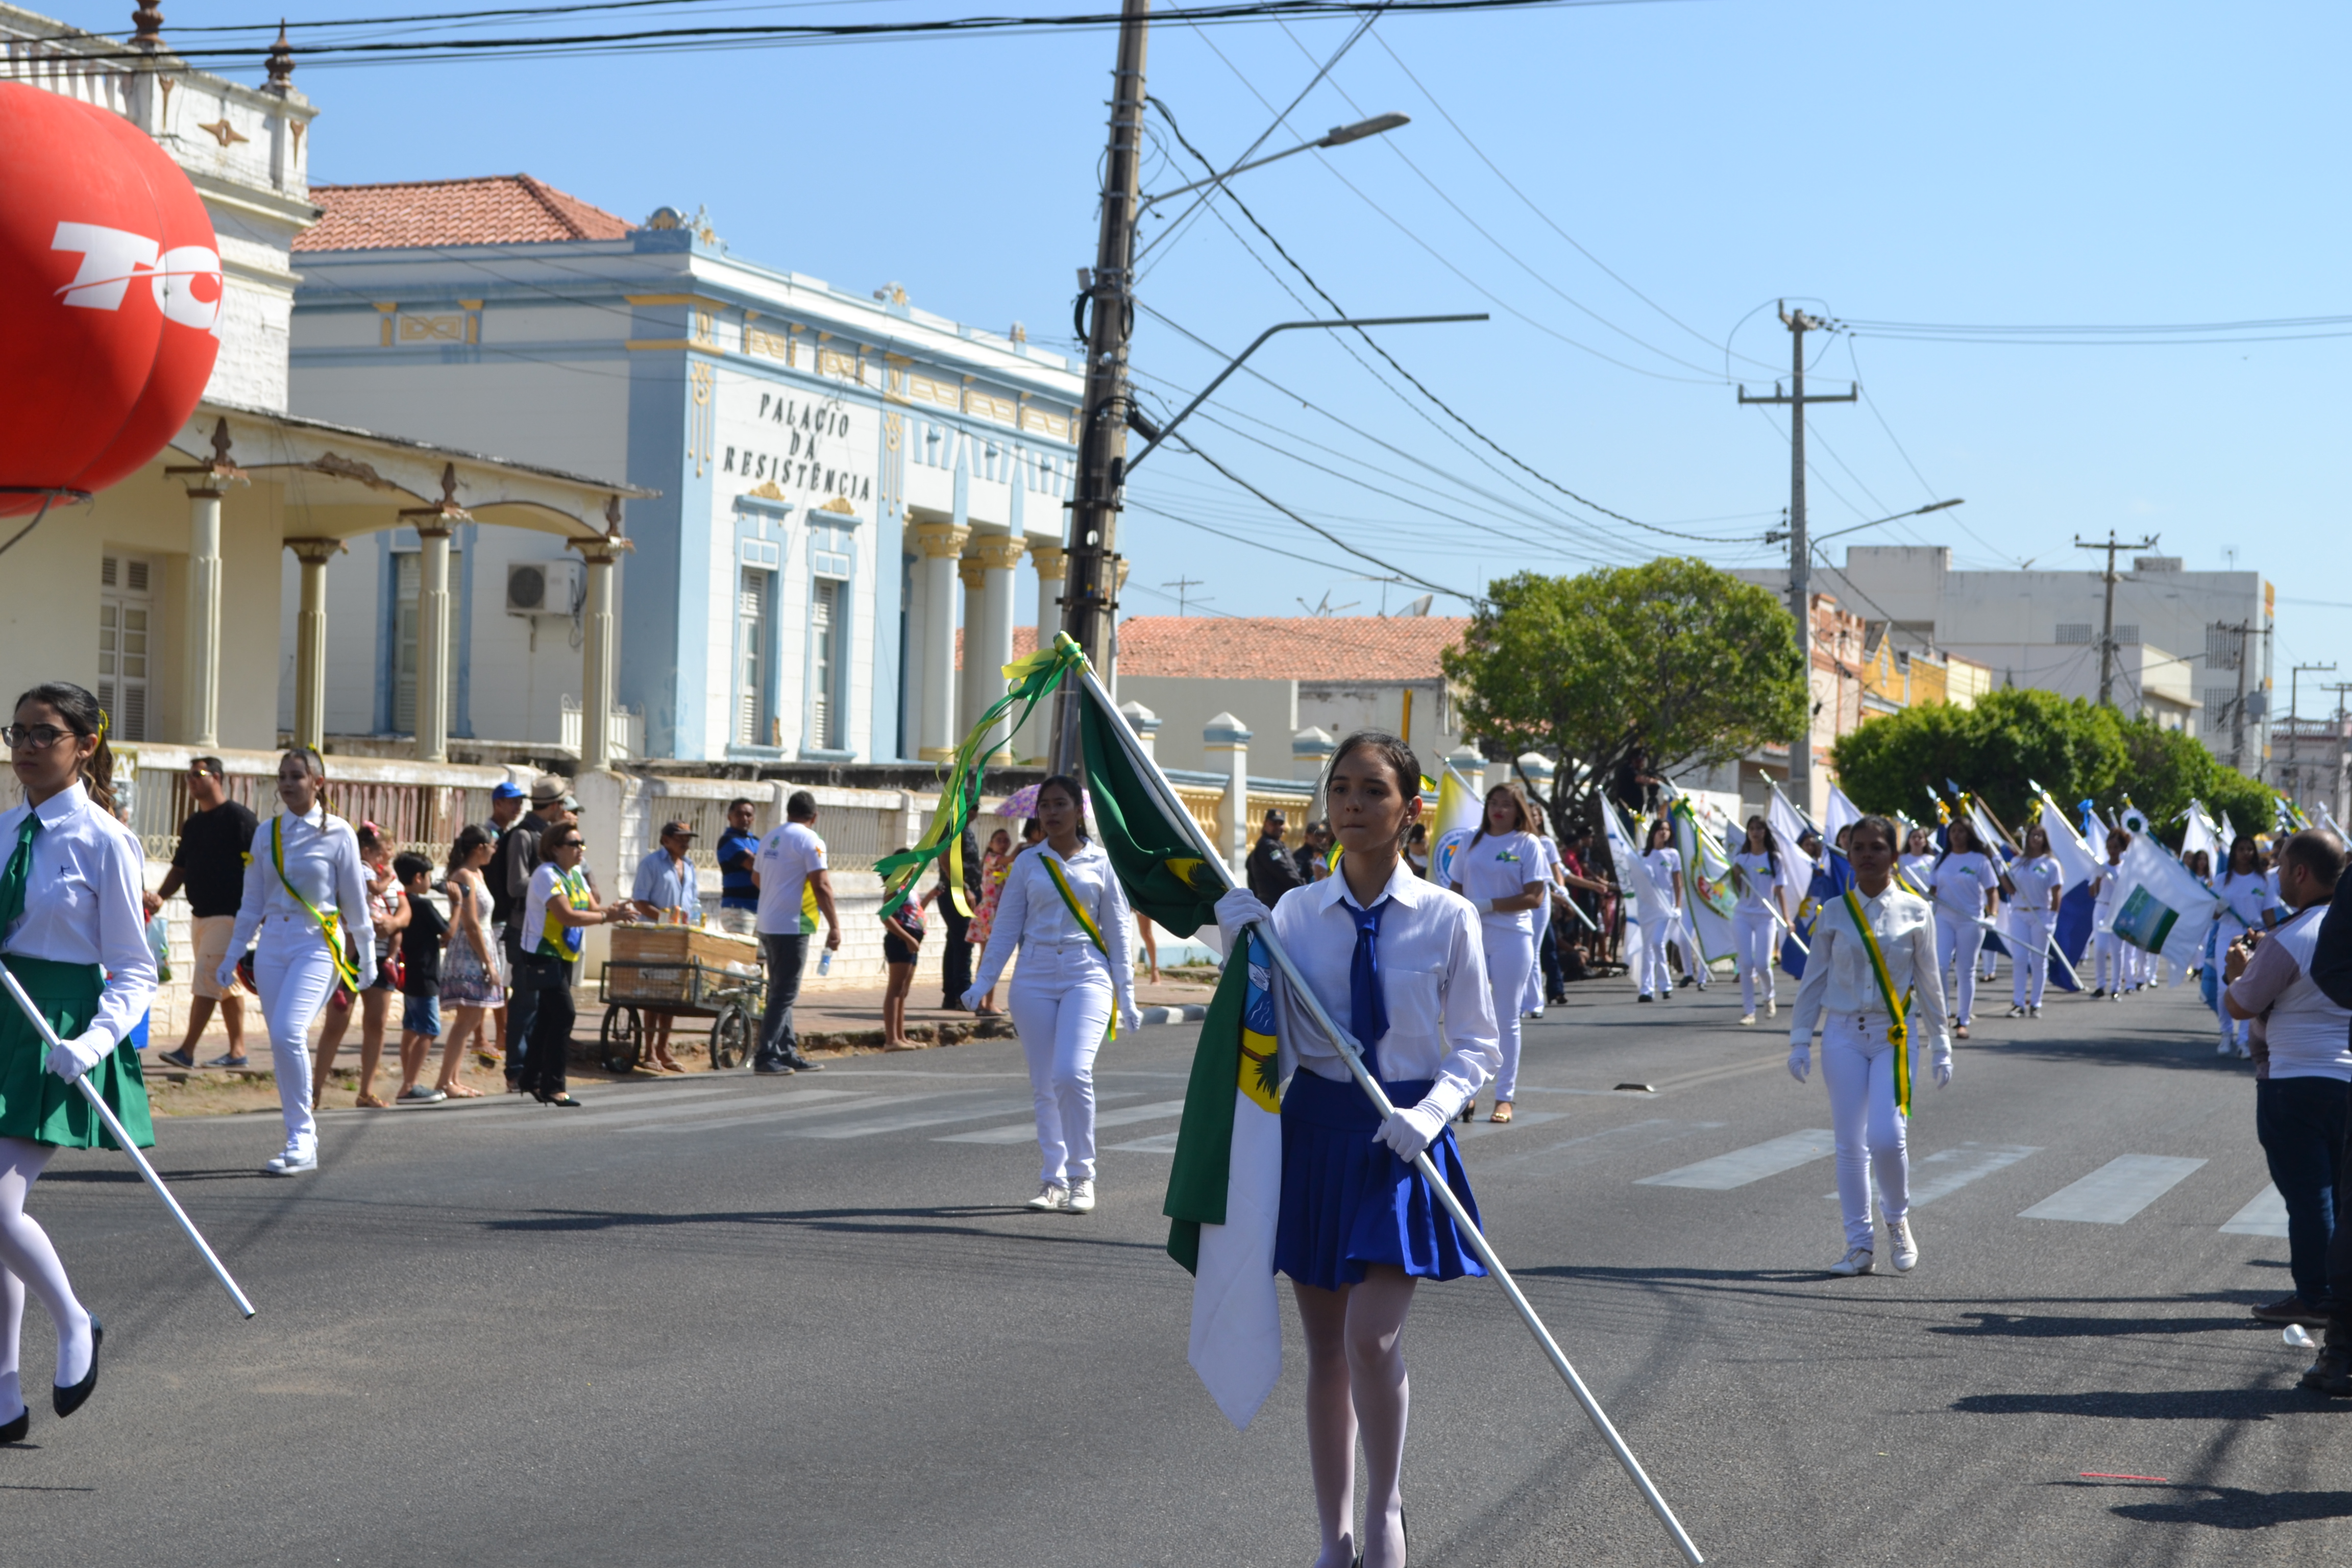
(1419, 606)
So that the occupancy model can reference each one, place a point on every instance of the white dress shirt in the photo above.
(323, 859)
(82, 903)
(1501, 866)
(668, 886)
(1838, 979)
(1030, 914)
(1433, 978)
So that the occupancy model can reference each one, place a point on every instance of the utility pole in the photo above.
(1801, 749)
(2294, 698)
(2107, 621)
(1090, 591)
(2241, 635)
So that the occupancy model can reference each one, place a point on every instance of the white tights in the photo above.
(26, 1258)
(1859, 1072)
(1356, 1387)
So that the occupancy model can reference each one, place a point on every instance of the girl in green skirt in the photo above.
(73, 933)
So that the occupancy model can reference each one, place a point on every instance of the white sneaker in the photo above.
(1906, 1249)
(2035, 1011)
(1857, 1260)
(1082, 1199)
(291, 1161)
(1050, 1197)
(2245, 1053)
(1772, 1007)
(1747, 1017)
(2223, 1049)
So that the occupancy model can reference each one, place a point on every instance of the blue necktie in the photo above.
(1368, 1010)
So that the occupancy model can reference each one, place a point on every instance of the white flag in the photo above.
(2066, 846)
(2160, 906)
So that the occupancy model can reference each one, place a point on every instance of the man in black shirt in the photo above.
(1271, 872)
(210, 864)
(509, 877)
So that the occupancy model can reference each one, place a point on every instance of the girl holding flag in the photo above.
(79, 947)
(2245, 891)
(1965, 886)
(1399, 962)
(1758, 866)
(1918, 861)
(1658, 896)
(1875, 984)
(307, 894)
(1502, 871)
(2038, 883)
(1062, 906)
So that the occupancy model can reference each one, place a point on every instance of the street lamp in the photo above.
(1338, 136)
(1778, 535)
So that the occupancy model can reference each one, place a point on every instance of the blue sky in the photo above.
(2007, 164)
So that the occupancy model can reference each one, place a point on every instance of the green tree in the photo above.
(2071, 747)
(2166, 769)
(1665, 666)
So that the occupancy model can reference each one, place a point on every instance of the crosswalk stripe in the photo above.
(1518, 1118)
(601, 1105)
(1947, 1171)
(2266, 1216)
(970, 1111)
(1753, 1163)
(783, 1107)
(1027, 1131)
(2115, 1191)
(1158, 1143)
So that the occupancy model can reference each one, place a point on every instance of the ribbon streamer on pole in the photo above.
(122, 1140)
(1212, 867)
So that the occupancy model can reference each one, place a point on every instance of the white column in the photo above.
(310, 641)
(596, 658)
(202, 724)
(935, 587)
(432, 644)
(1144, 722)
(1310, 751)
(1052, 562)
(1000, 557)
(1226, 739)
(974, 679)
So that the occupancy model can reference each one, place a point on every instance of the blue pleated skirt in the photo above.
(1348, 1201)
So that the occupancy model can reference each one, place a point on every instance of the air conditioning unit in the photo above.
(545, 587)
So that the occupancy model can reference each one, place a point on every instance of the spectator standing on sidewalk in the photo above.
(510, 873)
(2303, 1068)
(388, 910)
(739, 887)
(994, 868)
(955, 957)
(506, 806)
(558, 908)
(1272, 870)
(790, 859)
(902, 949)
(666, 881)
(421, 942)
(473, 977)
(209, 865)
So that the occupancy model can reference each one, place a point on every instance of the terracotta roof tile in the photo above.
(1273, 647)
(496, 209)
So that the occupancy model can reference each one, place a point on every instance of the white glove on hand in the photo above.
(971, 998)
(226, 976)
(1484, 906)
(1131, 1018)
(1410, 1131)
(71, 1059)
(1940, 1063)
(1238, 908)
(1800, 1062)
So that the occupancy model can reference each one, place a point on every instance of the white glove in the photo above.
(1131, 1018)
(971, 997)
(71, 1059)
(1800, 1062)
(226, 977)
(1410, 1131)
(1940, 1063)
(1484, 906)
(1238, 908)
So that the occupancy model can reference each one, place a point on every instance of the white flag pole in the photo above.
(122, 1140)
(1149, 769)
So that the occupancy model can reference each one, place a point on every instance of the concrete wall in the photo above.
(1269, 709)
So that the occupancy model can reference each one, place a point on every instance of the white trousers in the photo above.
(1535, 988)
(1957, 941)
(1657, 930)
(296, 975)
(1751, 938)
(1858, 1069)
(2109, 952)
(1509, 952)
(2031, 969)
(1061, 1001)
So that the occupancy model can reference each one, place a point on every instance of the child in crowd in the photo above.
(420, 985)
(902, 945)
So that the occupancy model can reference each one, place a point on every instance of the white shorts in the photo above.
(210, 935)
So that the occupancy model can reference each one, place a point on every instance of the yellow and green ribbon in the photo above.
(1086, 921)
(1898, 1034)
(331, 926)
(1032, 680)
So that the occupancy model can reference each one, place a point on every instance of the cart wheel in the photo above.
(730, 1039)
(622, 1039)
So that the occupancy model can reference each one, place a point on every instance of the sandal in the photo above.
(1502, 1112)
(459, 1091)
(373, 1102)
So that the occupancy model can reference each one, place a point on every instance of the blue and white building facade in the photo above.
(841, 478)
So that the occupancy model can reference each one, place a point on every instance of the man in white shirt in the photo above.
(789, 858)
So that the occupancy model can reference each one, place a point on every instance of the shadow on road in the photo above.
(2235, 1508)
(900, 1222)
(2165, 1405)
(2005, 1325)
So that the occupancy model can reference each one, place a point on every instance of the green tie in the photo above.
(19, 871)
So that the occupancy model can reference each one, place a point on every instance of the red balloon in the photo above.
(110, 286)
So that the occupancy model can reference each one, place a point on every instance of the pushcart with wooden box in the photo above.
(683, 972)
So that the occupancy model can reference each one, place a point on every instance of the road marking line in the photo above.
(790, 1107)
(1947, 1171)
(971, 1110)
(632, 1098)
(2115, 1191)
(2266, 1216)
(1754, 1163)
(1518, 1118)
(1158, 1143)
(1027, 1131)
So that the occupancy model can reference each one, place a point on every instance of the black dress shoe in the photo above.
(15, 1431)
(564, 1100)
(67, 1399)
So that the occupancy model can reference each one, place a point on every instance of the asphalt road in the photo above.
(741, 1321)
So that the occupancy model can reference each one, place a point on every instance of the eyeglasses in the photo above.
(32, 737)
